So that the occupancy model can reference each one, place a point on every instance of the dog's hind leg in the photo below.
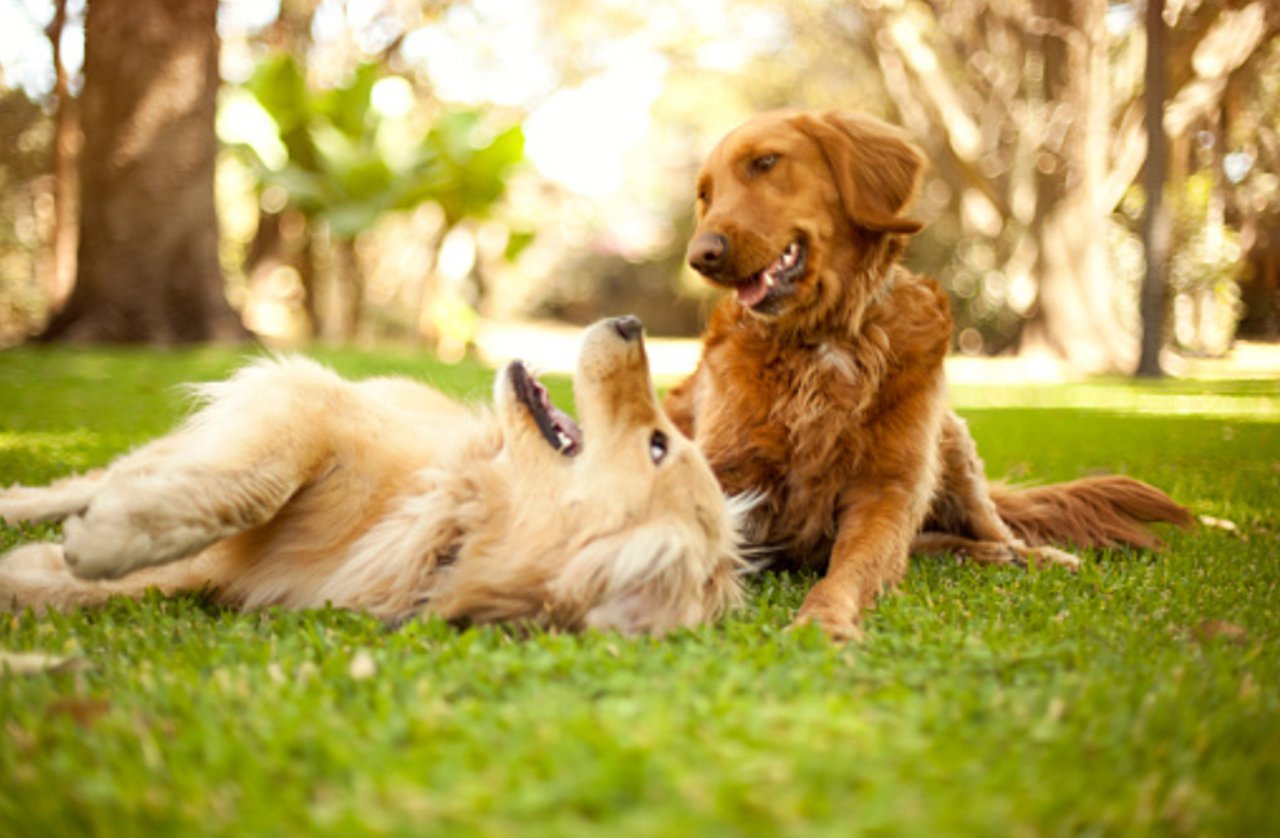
(49, 503)
(999, 553)
(176, 497)
(963, 518)
(963, 504)
(36, 576)
(229, 468)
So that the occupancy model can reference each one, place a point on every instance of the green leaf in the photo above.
(517, 241)
(340, 171)
(349, 219)
(280, 88)
(348, 108)
(308, 191)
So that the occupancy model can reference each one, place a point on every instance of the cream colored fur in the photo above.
(294, 487)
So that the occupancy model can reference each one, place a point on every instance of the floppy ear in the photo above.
(875, 169)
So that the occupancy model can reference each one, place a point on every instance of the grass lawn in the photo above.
(1141, 696)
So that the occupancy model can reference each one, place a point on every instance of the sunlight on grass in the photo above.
(50, 444)
(1253, 400)
(38, 456)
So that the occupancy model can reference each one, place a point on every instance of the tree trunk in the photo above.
(308, 258)
(1155, 219)
(65, 147)
(342, 309)
(147, 264)
(1075, 318)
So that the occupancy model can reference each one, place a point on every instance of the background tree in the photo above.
(1074, 316)
(1032, 115)
(147, 262)
(1251, 158)
(343, 166)
(1155, 222)
(66, 145)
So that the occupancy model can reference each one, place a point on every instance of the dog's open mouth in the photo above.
(777, 280)
(556, 426)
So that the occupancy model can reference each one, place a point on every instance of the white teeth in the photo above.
(564, 440)
(788, 260)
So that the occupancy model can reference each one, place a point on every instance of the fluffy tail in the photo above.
(1109, 511)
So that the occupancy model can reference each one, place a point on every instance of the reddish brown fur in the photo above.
(829, 398)
(1093, 512)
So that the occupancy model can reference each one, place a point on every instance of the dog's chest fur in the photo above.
(798, 421)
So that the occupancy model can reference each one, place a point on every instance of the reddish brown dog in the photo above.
(821, 381)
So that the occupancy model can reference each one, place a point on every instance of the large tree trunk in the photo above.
(1076, 316)
(147, 266)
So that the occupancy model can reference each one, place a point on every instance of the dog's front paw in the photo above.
(835, 613)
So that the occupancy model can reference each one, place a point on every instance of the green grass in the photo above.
(1141, 696)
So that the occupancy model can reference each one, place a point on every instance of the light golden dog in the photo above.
(821, 379)
(293, 487)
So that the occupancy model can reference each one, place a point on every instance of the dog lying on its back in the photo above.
(294, 487)
(821, 382)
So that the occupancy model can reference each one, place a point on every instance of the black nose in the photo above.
(629, 327)
(708, 253)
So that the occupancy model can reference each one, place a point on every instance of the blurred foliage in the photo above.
(967, 79)
(1204, 270)
(1206, 257)
(26, 205)
(1252, 169)
(346, 156)
(391, 187)
(344, 168)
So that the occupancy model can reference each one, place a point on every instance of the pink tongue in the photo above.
(751, 294)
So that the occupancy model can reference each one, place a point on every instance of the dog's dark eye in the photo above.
(658, 447)
(764, 163)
